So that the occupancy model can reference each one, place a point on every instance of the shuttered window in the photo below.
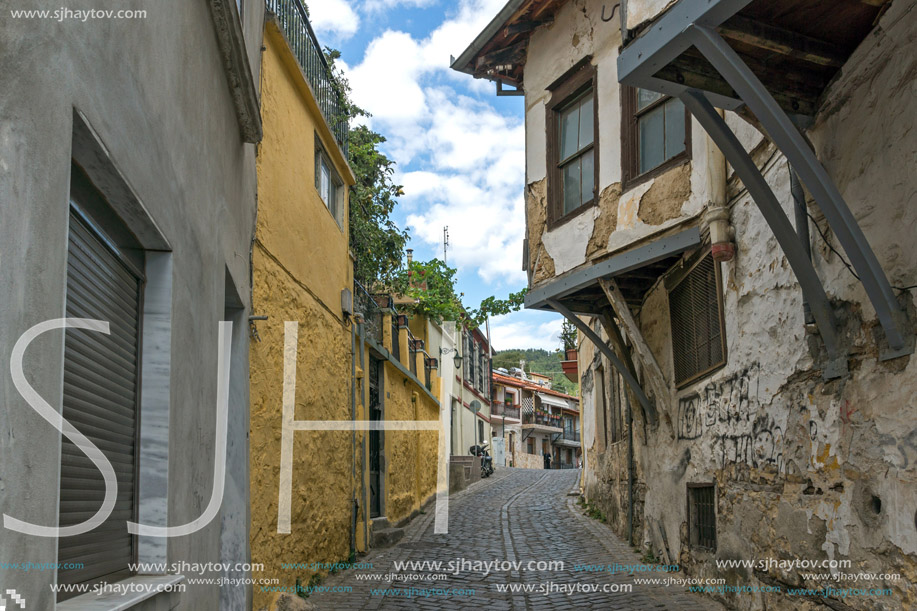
(696, 309)
(101, 385)
(702, 516)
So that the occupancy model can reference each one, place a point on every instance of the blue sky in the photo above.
(459, 148)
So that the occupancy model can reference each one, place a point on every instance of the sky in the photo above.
(460, 150)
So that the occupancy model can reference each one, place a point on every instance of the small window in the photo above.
(572, 126)
(698, 331)
(481, 431)
(656, 132)
(329, 185)
(530, 446)
(702, 516)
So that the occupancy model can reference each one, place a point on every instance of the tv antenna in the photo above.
(445, 243)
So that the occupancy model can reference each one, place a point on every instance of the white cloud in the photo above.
(517, 331)
(382, 5)
(334, 17)
(463, 162)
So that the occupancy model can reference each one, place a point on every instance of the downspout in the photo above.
(365, 458)
(625, 35)
(716, 216)
(353, 435)
(802, 228)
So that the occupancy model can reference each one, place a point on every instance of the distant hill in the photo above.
(538, 361)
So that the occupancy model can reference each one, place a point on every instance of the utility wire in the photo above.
(841, 257)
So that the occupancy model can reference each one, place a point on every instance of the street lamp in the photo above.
(456, 360)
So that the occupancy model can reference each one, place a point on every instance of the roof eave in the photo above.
(463, 61)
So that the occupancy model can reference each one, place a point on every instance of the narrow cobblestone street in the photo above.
(516, 515)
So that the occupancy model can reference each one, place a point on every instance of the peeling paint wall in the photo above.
(804, 468)
(620, 220)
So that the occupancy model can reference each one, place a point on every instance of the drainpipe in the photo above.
(802, 228)
(363, 455)
(353, 434)
(625, 35)
(716, 216)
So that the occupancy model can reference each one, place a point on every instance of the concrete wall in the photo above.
(804, 468)
(300, 265)
(155, 94)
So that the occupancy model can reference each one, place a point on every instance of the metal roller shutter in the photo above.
(101, 380)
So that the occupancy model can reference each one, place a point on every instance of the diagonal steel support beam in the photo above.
(773, 213)
(791, 143)
(608, 352)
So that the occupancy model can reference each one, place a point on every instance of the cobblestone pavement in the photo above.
(515, 515)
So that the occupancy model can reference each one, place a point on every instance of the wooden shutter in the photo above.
(695, 307)
(101, 379)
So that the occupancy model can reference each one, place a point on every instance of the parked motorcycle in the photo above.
(487, 462)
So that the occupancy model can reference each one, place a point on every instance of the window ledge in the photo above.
(136, 590)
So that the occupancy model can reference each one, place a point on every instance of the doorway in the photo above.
(375, 438)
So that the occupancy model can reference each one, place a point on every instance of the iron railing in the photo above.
(295, 24)
(502, 409)
(366, 304)
(396, 337)
(571, 435)
(542, 420)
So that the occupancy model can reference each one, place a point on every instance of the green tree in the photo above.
(375, 240)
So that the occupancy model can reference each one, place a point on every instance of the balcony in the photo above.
(296, 27)
(506, 410)
(568, 439)
(541, 423)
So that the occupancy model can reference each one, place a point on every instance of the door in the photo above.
(375, 439)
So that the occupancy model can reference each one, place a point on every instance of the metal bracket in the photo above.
(605, 349)
(783, 230)
(789, 140)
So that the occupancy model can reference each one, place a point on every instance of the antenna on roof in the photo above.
(445, 242)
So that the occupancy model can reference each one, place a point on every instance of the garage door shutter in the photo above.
(101, 379)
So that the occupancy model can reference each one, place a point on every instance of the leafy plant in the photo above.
(568, 335)
(431, 285)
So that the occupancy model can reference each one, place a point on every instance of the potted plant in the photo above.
(568, 337)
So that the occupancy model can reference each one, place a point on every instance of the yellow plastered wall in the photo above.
(410, 457)
(300, 264)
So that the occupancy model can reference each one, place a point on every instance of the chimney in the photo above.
(410, 252)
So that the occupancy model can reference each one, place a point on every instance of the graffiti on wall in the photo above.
(725, 413)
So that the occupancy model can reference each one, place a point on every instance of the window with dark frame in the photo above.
(696, 314)
(572, 133)
(329, 185)
(656, 134)
(702, 516)
(101, 387)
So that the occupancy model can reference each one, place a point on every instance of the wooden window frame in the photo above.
(572, 84)
(630, 144)
(671, 283)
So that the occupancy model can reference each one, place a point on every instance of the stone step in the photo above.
(385, 537)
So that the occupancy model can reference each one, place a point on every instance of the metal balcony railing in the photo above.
(571, 435)
(503, 409)
(542, 420)
(366, 304)
(295, 24)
